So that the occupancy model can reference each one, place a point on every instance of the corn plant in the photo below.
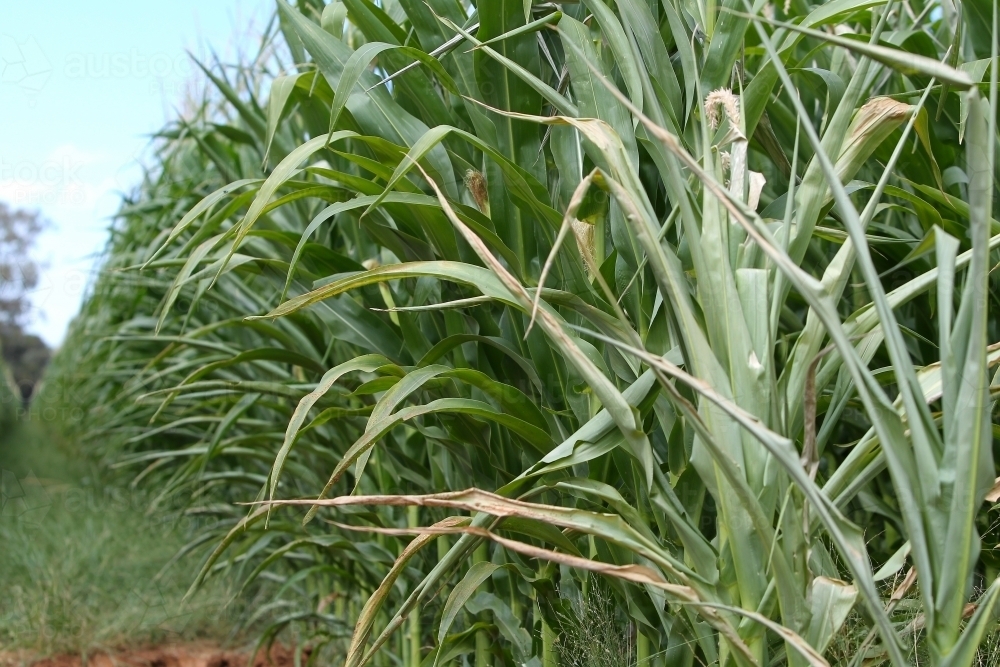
(479, 304)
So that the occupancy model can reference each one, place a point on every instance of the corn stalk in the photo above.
(693, 298)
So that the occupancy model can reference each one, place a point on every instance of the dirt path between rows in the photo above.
(179, 655)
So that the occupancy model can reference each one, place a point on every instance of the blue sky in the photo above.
(82, 85)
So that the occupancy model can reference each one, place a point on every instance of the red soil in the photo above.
(179, 655)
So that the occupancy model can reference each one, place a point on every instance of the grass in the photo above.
(593, 633)
(695, 303)
(82, 559)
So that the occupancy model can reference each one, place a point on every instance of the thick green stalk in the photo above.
(641, 649)
(484, 657)
(550, 658)
(413, 622)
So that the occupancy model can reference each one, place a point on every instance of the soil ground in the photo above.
(199, 654)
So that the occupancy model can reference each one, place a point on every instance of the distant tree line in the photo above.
(25, 354)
